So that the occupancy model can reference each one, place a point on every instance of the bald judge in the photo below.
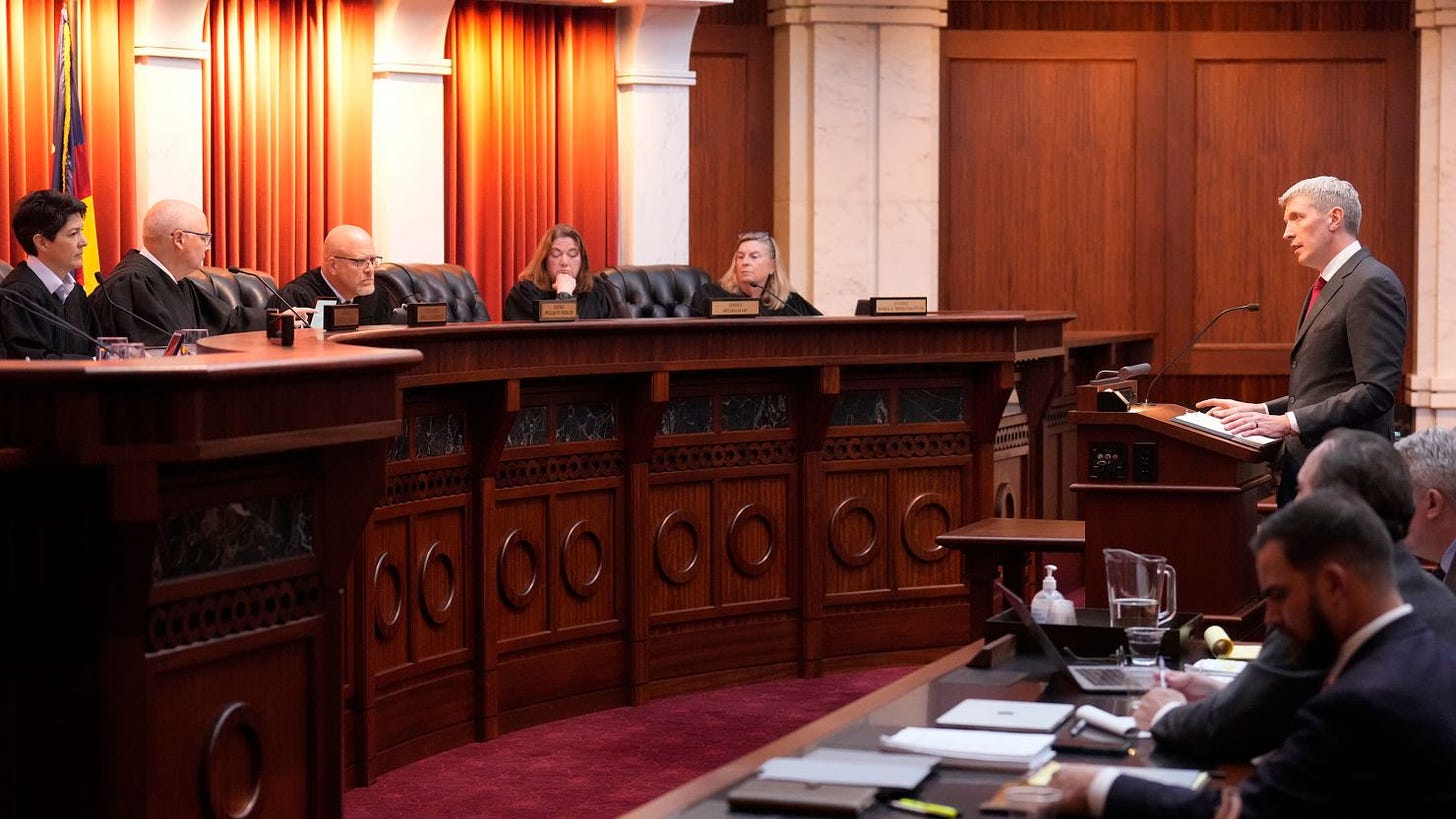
(148, 296)
(345, 275)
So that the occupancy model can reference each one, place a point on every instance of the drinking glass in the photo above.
(1032, 801)
(1143, 643)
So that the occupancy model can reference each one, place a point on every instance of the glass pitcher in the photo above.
(1142, 590)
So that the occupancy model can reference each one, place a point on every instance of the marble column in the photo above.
(654, 43)
(857, 147)
(408, 191)
(1433, 380)
(169, 53)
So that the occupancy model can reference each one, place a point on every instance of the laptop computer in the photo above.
(1099, 679)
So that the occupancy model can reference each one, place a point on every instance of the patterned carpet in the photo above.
(605, 763)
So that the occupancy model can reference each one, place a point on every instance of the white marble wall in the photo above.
(1433, 381)
(169, 54)
(857, 147)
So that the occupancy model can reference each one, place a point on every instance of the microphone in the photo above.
(101, 285)
(238, 271)
(52, 319)
(1251, 308)
(785, 305)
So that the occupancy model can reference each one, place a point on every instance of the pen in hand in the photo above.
(1162, 673)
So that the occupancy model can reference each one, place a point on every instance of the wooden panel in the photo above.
(730, 148)
(756, 538)
(859, 532)
(439, 617)
(584, 534)
(682, 547)
(522, 568)
(387, 607)
(1180, 15)
(928, 503)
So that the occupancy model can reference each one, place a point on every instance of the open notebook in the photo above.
(1096, 678)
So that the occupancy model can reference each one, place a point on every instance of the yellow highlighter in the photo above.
(925, 808)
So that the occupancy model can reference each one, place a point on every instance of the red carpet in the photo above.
(606, 763)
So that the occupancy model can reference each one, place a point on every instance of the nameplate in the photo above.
(733, 308)
(341, 316)
(556, 310)
(426, 314)
(893, 306)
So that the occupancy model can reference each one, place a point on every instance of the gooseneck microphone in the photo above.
(1250, 308)
(52, 319)
(238, 271)
(783, 304)
(101, 285)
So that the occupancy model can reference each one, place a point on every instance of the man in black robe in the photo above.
(346, 276)
(48, 225)
(148, 296)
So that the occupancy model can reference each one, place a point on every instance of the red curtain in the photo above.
(27, 78)
(287, 140)
(530, 136)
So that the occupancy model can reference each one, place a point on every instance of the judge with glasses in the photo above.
(345, 276)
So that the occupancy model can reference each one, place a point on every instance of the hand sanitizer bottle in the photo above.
(1041, 605)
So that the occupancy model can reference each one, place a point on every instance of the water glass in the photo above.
(108, 345)
(1143, 643)
(1032, 801)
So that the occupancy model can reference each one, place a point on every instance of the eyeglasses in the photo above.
(362, 262)
(756, 236)
(205, 237)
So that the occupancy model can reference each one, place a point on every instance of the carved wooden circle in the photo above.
(436, 609)
(677, 528)
(233, 764)
(854, 532)
(930, 508)
(581, 537)
(748, 520)
(388, 596)
(519, 596)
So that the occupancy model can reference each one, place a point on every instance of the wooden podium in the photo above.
(1151, 484)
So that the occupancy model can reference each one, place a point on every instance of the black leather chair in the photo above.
(654, 290)
(449, 283)
(235, 291)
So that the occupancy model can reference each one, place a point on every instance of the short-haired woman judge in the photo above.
(559, 270)
(757, 271)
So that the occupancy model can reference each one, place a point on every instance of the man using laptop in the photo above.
(346, 276)
(1380, 731)
(1254, 712)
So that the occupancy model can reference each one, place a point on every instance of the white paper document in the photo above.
(843, 766)
(986, 750)
(1204, 421)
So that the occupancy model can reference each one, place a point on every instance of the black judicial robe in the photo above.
(796, 305)
(28, 336)
(306, 290)
(147, 290)
(522, 298)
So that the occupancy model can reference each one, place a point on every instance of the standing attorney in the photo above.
(48, 225)
(148, 296)
(1349, 348)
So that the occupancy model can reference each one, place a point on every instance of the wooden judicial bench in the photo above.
(255, 575)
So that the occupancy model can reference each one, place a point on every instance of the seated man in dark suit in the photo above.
(48, 226)
(1382, 730)
(1431, 456)
(346, 275)
(148, 296)
(1255, 712)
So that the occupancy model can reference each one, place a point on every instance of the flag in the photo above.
(71, 169)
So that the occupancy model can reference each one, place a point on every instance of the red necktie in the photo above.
(1319, 284)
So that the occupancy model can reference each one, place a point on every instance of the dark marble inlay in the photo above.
(756, 411)
(684, 416)
(529, 428)
(588, 421)
(437, 435)
(230, 535)
(923, 405)
(861, 407)
(399, 447)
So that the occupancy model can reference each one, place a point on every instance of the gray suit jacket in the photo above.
(1348, 355)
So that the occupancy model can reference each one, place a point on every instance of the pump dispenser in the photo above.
(1041, 605)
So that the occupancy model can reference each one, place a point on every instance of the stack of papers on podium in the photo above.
(984, 750)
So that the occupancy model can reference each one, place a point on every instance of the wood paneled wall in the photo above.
(1132, 177)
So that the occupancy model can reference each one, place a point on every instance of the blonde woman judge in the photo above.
(757, 271)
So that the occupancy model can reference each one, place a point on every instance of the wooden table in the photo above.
(990, 543)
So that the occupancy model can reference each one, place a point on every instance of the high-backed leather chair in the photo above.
(450, 283)
(654, 290)
(235, 291)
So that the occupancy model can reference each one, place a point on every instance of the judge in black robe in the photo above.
(346, 275)
(757, 271)
(558, 269)
(49, 225)
(306, 290)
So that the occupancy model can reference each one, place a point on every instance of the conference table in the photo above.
(914, 700)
